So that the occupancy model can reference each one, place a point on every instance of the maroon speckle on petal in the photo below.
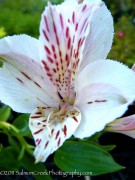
(60, 53)
(37, 84)
(100, 101)
(46, 144)
(75, 119)
(34, 117)
(45, 65)
(59, 142)
(45, 35)
(61, 21)
(55, 31)
(46, 23)
(37, 132)
(38, 113)
(44, 120)
(84, 7)
(50, 59)
(57, 134)
(20, 80)
(90, 102)
(69, 43)
(48, 74)
(55, 56)
(65, 130)
(67, 59)
(54, 70)
(73, 17)
(52, 131)
(26, 75)
(47, 50)
(67, 32)
(39, 142)
(53, 48)
(76, 27)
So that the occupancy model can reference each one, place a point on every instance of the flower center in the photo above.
(58, 115)
(64, 110)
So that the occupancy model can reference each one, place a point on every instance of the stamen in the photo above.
(73, 112)
(63, 112)
(47, 123)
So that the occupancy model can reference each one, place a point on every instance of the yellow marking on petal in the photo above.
(42, 111)
(71, 101)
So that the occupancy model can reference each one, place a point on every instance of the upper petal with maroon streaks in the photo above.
(63, 31)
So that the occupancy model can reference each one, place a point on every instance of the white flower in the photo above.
(64, 76)
(125, 125)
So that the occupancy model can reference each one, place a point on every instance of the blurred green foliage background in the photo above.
(23, 16)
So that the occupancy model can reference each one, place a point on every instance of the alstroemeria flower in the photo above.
(63, 79)
(125, 125)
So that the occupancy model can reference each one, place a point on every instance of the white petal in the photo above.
(111, 73)
(63, 31)
(99, 104)
(99, 40)
(50, 136)
(23, 83)
(105, 91)
(20, 44)
(95, 119)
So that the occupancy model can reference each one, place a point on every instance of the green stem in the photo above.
(20, 138)
(27, 147)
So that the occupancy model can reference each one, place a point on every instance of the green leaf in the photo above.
(83, 157)
(8, 159)
(108, 147)
(21, 123)
(5, 113)
(9, 162)
(95, 136)
(1, 147)
(13, 143)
